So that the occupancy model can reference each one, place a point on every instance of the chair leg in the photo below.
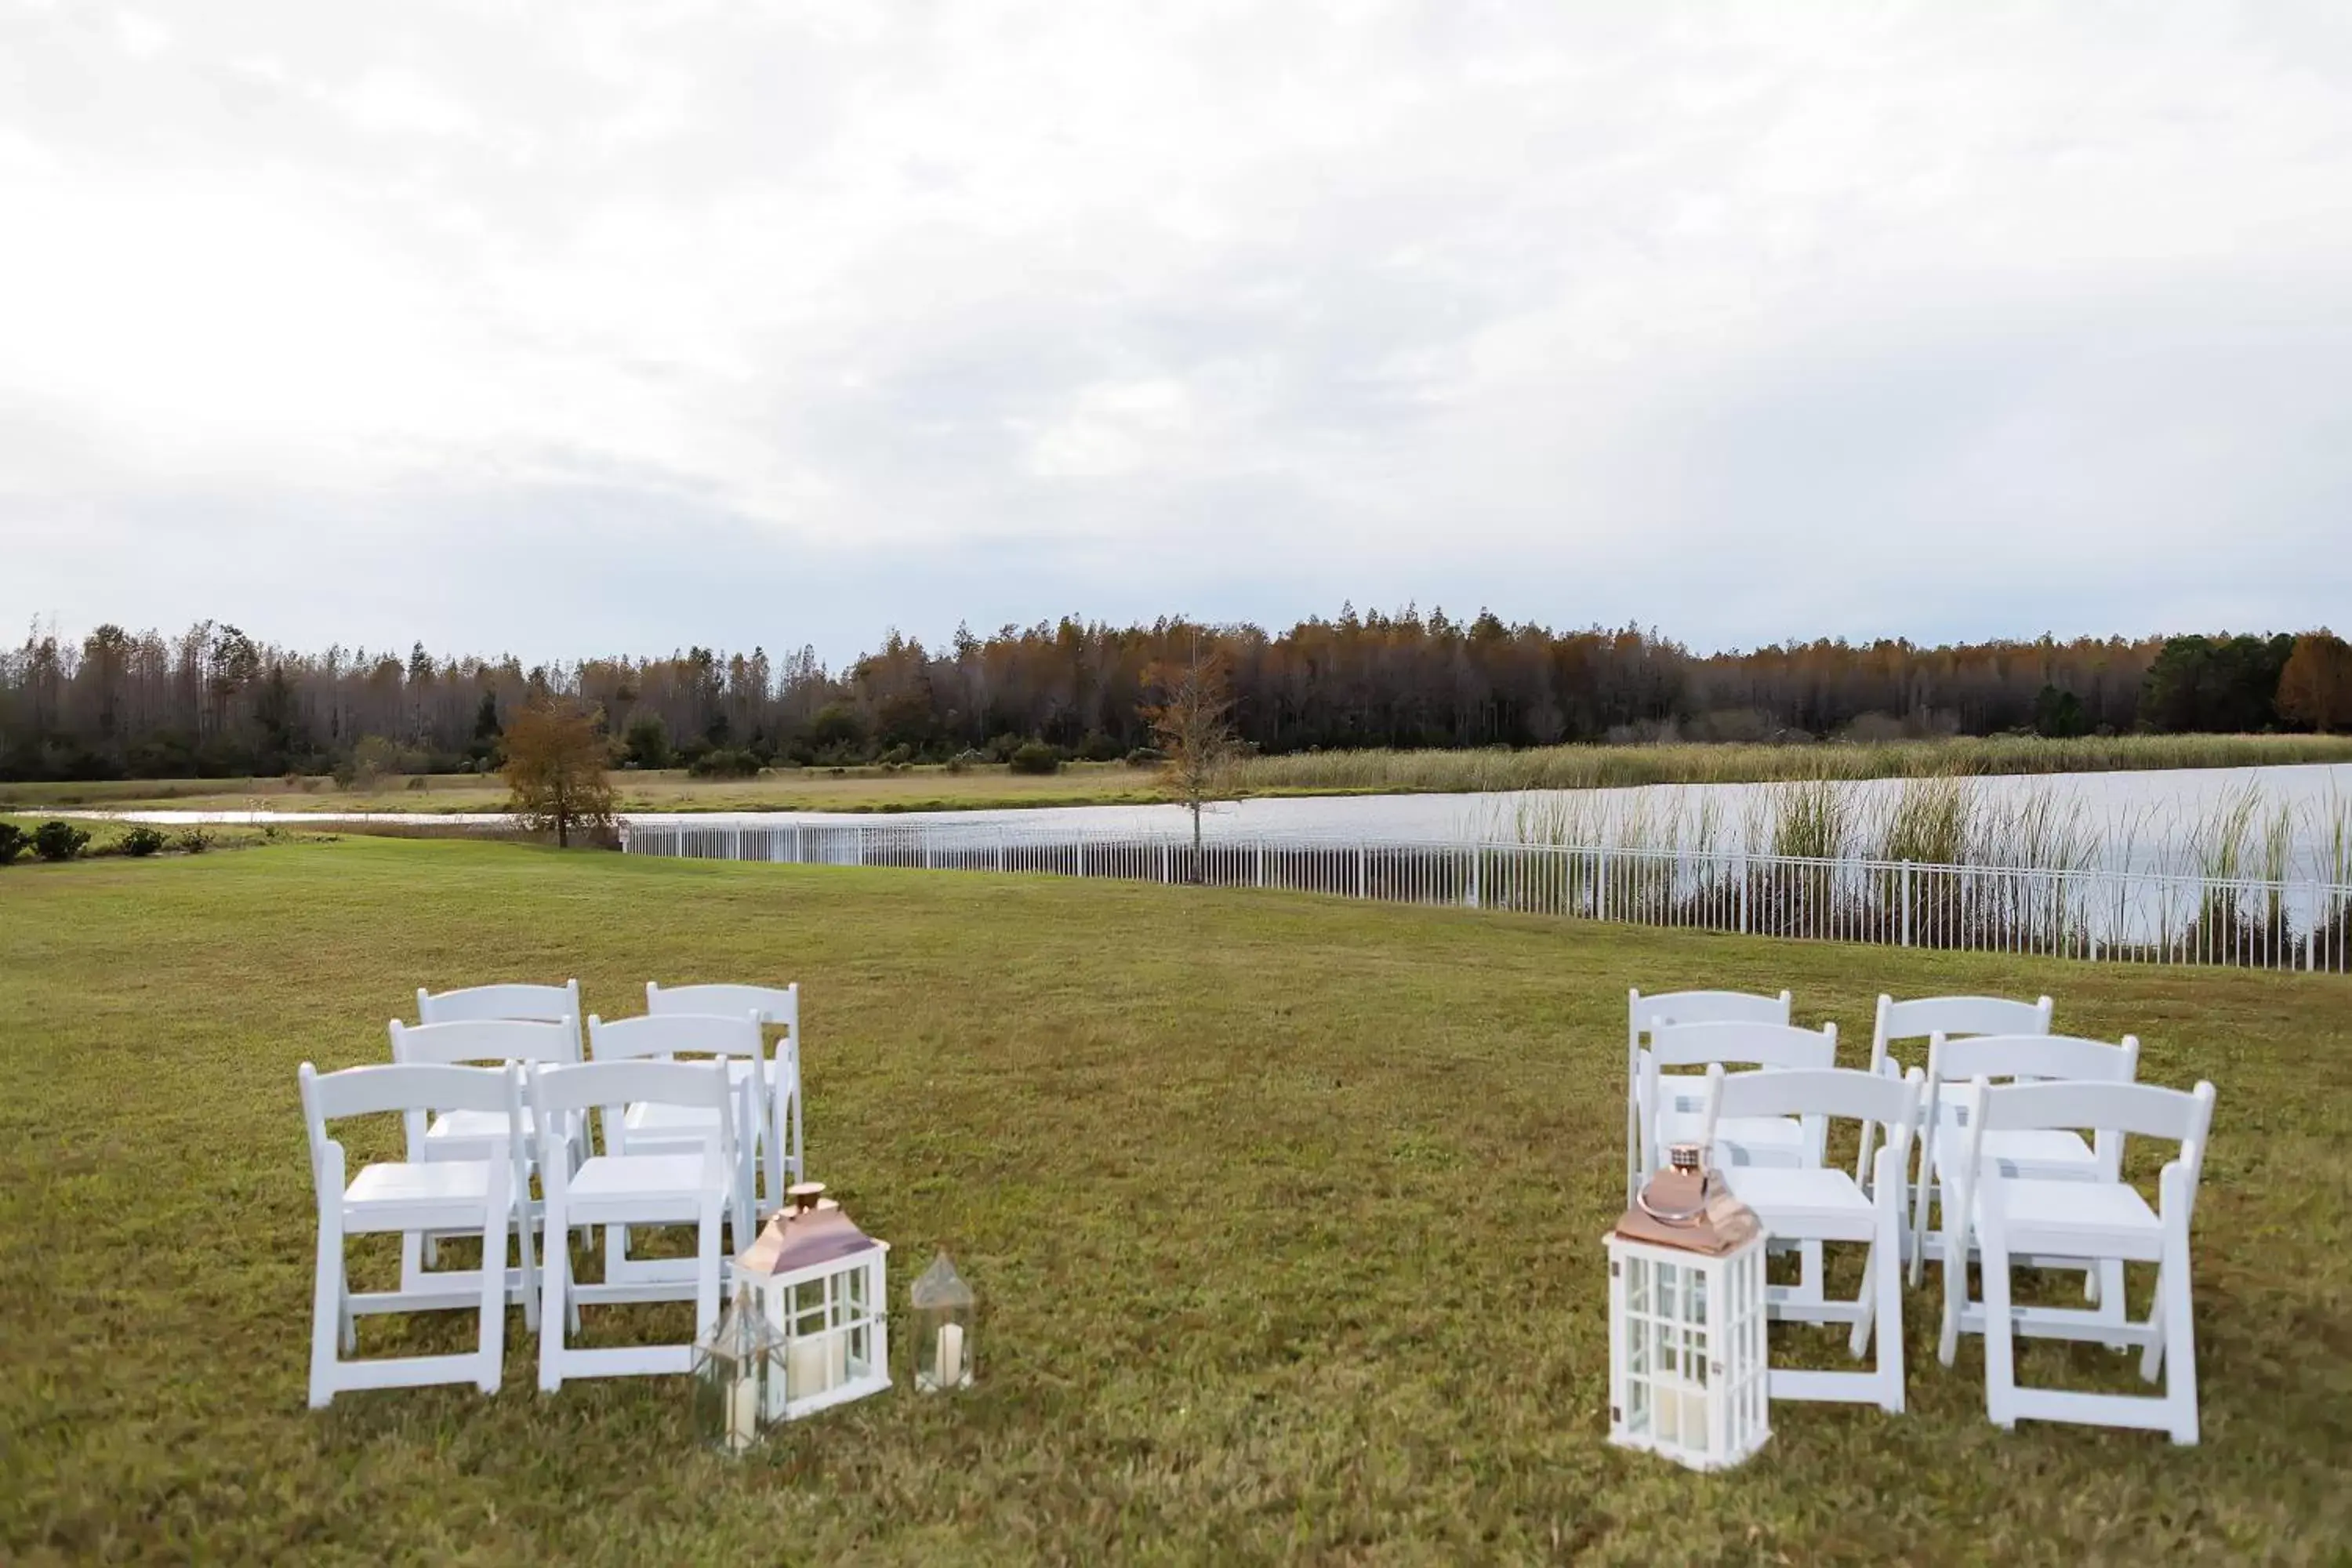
(496, 1215)
(530, 1263)
(2001, 1349)
(706, 1267)
(413, 1248)
(2151, 1355)
(555, 1308)
(328, 1305)
(2179, 1336)
(1956, 1289)
(1857, 1340)
(1809, 1271)
(1919, 1203)
(350, 1324)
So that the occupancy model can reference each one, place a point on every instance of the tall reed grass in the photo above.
(1601, 767)
(1952, 821)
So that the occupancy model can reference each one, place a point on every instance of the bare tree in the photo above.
(555, 765)
(1193, 723)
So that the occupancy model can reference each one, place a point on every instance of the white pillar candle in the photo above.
(808, 1364)
(742, 1412)
(950, 1357)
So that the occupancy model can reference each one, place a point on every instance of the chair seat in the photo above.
(433, 1192)
(472, 1126)
(1804, 1203)
(2104, 1219)
(1739, 1140)
(2043, 1153)
(669, 1122)
(642, 1177)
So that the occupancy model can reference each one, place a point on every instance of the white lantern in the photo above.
(1687, 1361)
(818, 1280)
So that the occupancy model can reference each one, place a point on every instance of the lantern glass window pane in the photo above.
(1637, 1347)
(1637, 1283)
(1637, 1408)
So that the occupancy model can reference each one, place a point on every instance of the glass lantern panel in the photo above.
(1637, 1284)
(1670, 1290)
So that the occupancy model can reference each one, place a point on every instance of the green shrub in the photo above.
(195, 841)
(1036, 757)
(724, 763)
(141, 841)
(1098, 747)
(12, 842)
(1146, 757)
(59, 840)
(897, 756)
(963, 762)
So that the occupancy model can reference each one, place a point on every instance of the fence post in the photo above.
(1167, 864)
(1601, 885)
(1906, 903)
(2311, 934)
(1360, 871)
(1261, 863)
(1745, 878)
(1475, 857)
(1082, 854)
(999, 849)
(925, 830)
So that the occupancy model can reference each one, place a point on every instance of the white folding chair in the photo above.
(1924, 1017)
(613, 1189)
(476, 1196)
(1673, 1105)
(2012, 1218)
(653, 1128)
(1644, 1014)
(2044, 1153)
(1814, 1205)
(776, 1006)
(457, 1133)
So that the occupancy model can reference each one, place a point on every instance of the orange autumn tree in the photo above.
(556, 756)
(2315, 685)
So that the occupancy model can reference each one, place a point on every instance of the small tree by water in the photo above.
(1193, 724)
(556, 756)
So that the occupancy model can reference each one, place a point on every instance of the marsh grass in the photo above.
(1601, 767)
(1284, 1214)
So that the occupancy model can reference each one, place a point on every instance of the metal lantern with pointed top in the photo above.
(944, 1324)
(1686, 1354)
(734, 1368)
(818, 1281)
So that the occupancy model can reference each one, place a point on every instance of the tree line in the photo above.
(216, 701)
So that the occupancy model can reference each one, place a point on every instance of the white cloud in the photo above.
(1749, 320)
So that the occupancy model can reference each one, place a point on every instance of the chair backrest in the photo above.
(406, 1088)
(1645, 1014)
(665, 1036)
(1844, 1093)
(1922, 1016)
(611, 1086)
(531, 1003)
(2111, 1111)
(483, 1040)
(1760, 1045)
(2030, 1056)
(773, 1003)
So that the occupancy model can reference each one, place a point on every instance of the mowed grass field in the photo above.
(1284, 1214)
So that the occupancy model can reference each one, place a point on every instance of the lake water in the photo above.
(2141, 820)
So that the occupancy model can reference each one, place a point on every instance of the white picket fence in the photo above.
(2139, 916)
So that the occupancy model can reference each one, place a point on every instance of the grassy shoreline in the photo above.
(996, 788)
(1284, 1214)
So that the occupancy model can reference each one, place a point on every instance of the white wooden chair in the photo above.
(1673, 1105)
(1644, 1014)
(407, 1197)
(2044, 1153)
(777, 1007)
(612, 1189)
(1816, 1203)
(653, 1128)
(458, 1133)
(1924, 1017)
(2012, 1217)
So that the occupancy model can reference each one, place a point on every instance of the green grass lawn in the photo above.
(1284, 1215)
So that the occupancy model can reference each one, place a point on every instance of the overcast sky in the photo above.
(578, 327)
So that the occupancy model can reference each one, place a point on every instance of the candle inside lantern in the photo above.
(950, 1356)
(816, 1364)
(742, 1413)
